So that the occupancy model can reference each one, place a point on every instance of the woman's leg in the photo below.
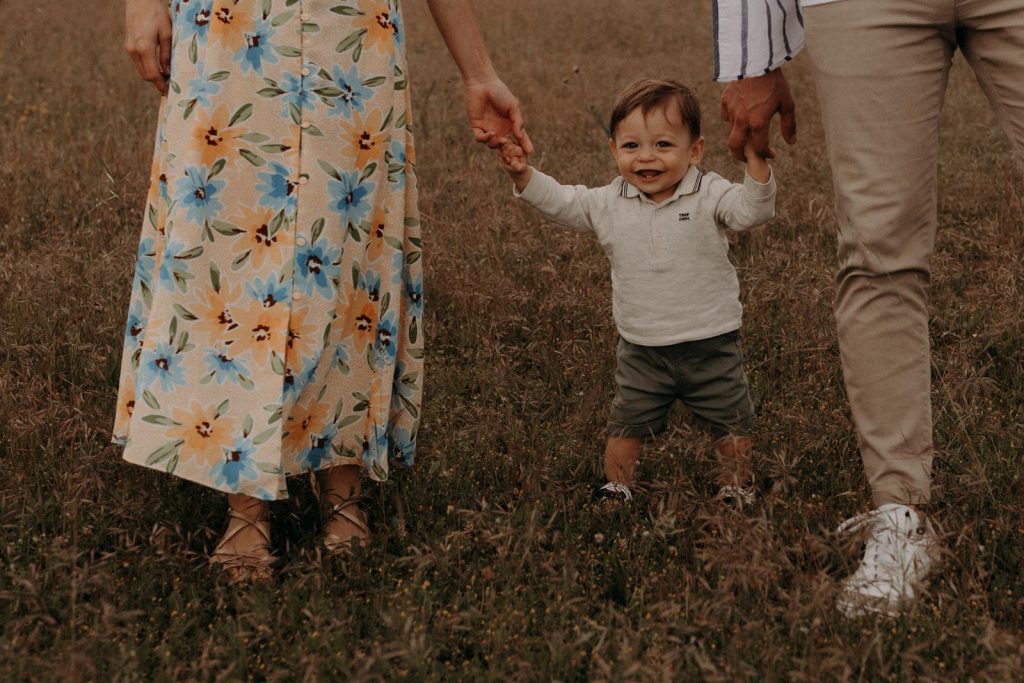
(244, 549)
(344, 521)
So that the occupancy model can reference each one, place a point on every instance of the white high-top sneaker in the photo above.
(900, 552)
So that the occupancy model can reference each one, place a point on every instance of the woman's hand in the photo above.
(147, 39)
(493, 113)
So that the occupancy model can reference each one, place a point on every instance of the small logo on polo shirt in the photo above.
(684, 216)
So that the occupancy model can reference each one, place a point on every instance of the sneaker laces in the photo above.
(887, 543)
(874, 557)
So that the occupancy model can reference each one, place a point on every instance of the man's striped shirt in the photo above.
(753, 37)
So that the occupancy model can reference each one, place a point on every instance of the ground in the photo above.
(489, 562)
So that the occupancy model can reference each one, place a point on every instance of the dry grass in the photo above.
(486, 564)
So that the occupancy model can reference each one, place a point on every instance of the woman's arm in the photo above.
(147, 39)
(492, 109)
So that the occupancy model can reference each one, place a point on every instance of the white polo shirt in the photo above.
(671, 276)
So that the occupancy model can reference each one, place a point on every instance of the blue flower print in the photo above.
(397, 161)
(403, 447)
(268, 292)
(223, 367)
(199, 194)
(171, 267)
(386, 343)
(414, 294)
(195, 18)
(319, 449)
(162, 365)
(295, 93)
(350, 198)
(294, 384)
(276, 189)
(397, 264)
(238, 462)
(135, 329)
(258, 47)
(201, 88)
(316, 266)
(397, 24)
(400, 388)
(353, 93)
(375, 450)
(145, 261)
(369, 282)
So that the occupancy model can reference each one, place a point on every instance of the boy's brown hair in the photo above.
(650, 93)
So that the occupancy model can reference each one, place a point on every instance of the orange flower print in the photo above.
(360, 322)
(264, 249)
(375, 240)
(377, 407)
(213, 309)
(214, 138)
(302, 338)
(303, 421)
(203, 430)
(125, 406)
(228, 25)
(363, 139)
(380, 28)
(261, 329)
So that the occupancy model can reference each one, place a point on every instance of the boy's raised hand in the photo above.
(516, 163)
(757, 165)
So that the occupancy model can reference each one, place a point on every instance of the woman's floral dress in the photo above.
(275, 324)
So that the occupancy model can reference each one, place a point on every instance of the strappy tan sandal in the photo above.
(347, 509)
(256, 565)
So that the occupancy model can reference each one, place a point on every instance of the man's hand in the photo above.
(749, 105)
(493, 113)
(147, 39)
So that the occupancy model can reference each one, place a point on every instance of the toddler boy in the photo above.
(675, 295)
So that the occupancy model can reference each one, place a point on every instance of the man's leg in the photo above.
(881, 68)
(991, 35)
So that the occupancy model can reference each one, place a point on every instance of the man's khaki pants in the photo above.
(881, 68)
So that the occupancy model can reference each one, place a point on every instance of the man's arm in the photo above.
(753, 39)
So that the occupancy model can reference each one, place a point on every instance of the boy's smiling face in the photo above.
(654, 151)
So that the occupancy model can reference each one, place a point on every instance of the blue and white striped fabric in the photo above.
(753, 37)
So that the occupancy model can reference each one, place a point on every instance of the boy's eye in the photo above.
(664, 143)
(630, 145)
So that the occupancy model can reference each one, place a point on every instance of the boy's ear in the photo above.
(697, 151)
(611, 145)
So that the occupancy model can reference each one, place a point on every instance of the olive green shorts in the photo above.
(706, 375)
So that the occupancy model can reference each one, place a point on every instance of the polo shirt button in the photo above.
(306, 72)
(296, 296)
(301, 241)
(303, 179)
(304, 16)
(305, 124)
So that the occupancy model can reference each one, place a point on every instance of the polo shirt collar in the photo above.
(688, 185)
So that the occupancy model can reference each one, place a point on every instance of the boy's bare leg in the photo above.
(621, 455)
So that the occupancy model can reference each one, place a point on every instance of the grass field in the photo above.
(489, 562)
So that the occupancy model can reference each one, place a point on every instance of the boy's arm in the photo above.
(746, 205)
(571, 205)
